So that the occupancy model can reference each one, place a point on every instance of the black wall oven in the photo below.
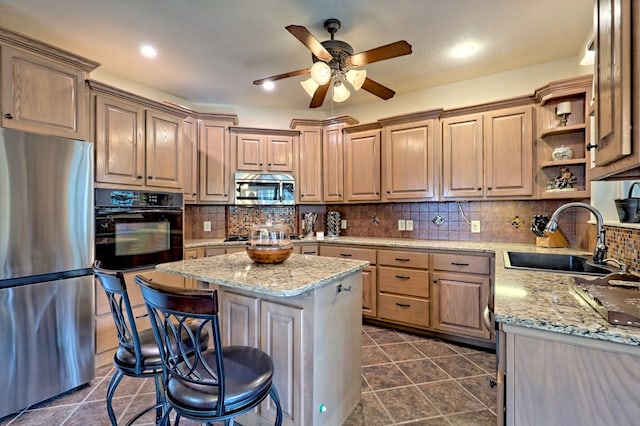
(136, 229)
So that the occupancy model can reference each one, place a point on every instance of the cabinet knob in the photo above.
(194, 194)
(269, 164)
(8, 116)
(489, 189)
(149, 177)
(139, 177)
(388, 192)
(591, 146)
(302, 195)
(479, 189)
(435, 281)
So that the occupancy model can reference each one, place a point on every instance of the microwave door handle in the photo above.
(136, 211)
(280, 184)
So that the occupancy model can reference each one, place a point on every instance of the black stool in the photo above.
(216, 384)
(137, 354)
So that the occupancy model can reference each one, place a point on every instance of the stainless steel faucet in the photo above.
(600, 252)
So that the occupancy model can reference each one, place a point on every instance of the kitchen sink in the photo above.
(550, 262)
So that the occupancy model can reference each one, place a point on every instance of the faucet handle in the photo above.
(622, 266)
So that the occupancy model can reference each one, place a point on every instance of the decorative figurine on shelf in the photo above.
(563, 182)
(563, 110)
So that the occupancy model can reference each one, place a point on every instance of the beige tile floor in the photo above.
(406, 379)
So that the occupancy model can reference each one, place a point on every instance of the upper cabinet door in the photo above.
(279, 153)
(43, 96)
(119, 142)
(462, 156)
(362, 165)
(215, 162)
(408, 160)
(309, 175)
(613, 80)
(333, 163)
(250, 149)
(164, 150)
(190, 160)
(508, 152)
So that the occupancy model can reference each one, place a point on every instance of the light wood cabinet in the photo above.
(403, 287)
(362, 163)
(460, 292)
(308, 249)
(215, 159)
(409, 157)
(138, 141)
(264, 150)
(309, 161)
(333, 163)
(574, 135)
(616, 85)
(369, 273)
(489, 154)
(43, 92)
(554, 378)
(190, 160)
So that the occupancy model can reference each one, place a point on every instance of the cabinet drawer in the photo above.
(368, 255)
(308, 249)
(405, 259)
(461, 263)
(409, 282)
(213, 251)
(403, 309)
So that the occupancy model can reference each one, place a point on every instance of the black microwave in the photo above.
(264, 189)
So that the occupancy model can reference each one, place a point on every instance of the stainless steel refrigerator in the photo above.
(46, 251)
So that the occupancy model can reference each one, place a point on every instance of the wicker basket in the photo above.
(629, 208)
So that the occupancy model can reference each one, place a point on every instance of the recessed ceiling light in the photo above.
(465, 49)
(148, 51)
(268, 85)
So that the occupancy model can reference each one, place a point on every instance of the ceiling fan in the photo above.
(335, 63)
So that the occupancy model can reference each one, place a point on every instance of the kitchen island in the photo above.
(305, 313)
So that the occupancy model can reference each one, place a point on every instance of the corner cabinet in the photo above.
(264, 150)
(43, 91)
(138, 142)
(409, 157)
(488, 155)
(564, 175)
(309, 161)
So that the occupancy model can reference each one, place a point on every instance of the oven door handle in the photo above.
(136, 211)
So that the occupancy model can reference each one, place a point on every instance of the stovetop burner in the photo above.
(243, 238)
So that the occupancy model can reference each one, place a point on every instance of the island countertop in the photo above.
(296, 275)
(532, 299)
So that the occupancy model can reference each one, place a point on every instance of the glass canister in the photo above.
(269, 243)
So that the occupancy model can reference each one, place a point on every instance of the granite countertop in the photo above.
(296, 275)
(533, 299)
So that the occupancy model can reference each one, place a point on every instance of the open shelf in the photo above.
(559, 163)
(563, 130)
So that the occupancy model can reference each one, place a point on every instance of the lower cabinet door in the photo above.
(409, 310)
(281, 338)
(369, 292)
(239, 322)
(458, 302)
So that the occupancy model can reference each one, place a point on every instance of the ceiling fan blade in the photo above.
(312, 43)
(281, 76)
(318, 96)
(377, 89)
(392, 50)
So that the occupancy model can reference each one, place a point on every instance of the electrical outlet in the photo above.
(475, 226)
(343, 224)
(401, 224)
(408, 225)
(207, 226)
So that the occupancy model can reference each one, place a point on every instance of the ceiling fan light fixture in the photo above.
(356, 78)
(320, 73)
(309, 86)
(340, 92)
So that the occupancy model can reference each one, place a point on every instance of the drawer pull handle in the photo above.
(403, 305)
(402, 259)
(341, 288)
(459, 264)
(402, 277)
(309, 252)
(346, 254)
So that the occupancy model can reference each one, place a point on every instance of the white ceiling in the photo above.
(210, 51)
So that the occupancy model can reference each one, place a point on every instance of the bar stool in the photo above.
(220, 383)
(137, 354)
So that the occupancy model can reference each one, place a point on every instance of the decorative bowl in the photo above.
(269, 243)
(269, 254)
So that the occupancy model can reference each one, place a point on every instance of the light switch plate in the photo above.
(401, 225)
(475, 226)
(343, 224)
(408, 225)
(207, 226)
